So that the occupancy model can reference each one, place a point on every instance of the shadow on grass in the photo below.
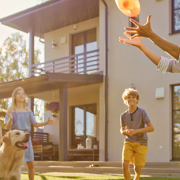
(92, 177)
(59, 177)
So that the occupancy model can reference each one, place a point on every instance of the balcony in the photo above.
(83, 63)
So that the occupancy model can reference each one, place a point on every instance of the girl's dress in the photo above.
(23, 121)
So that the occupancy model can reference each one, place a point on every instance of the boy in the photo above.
(163, 64)
(133, 127)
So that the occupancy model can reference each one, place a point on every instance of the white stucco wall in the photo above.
(63, 50)
(127, 65)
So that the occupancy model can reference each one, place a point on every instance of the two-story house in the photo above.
(86, 70)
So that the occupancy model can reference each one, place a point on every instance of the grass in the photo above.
(85, 177)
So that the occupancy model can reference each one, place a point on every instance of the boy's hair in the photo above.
(129, 91)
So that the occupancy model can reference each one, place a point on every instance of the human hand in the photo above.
(134, 42)
(10, 115)
(140, 30)
(125, 132)
(52, 121)
(131, 132)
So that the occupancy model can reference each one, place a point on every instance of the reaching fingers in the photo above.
(134, 22)
(148, 19)
(134, 36)
(130, 28)
(123, 40)
(131, 32)
(127, 35)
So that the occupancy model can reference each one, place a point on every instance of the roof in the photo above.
(52, 15)
(48, 82)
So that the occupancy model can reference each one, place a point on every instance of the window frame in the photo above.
(173, 31)
(172, 121)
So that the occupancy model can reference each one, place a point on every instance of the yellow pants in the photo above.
(135, 153)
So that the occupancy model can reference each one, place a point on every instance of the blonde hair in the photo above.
(14, 93)
(129, 91)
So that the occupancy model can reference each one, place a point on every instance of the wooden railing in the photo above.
(83, 63)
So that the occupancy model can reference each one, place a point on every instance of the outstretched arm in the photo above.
(8, 124)
(49, 122)
(137, 42)
(145, 31)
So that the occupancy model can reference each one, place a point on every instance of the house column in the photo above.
(31, 50)
(63, 155)
(31, 61)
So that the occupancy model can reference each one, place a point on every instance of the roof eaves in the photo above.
(31, 10)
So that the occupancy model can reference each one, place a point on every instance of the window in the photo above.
(83, 124)
(175, 16)
(85, 44)
(176, 123)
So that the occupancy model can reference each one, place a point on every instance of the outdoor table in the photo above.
(83, 152)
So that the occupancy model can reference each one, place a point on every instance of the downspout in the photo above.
(106, 80)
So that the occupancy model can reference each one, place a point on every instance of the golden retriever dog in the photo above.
(12, 154)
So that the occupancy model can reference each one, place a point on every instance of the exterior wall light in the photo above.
(53, 44)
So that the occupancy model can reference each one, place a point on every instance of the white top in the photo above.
(168, 65)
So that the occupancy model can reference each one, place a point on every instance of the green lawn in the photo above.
(85, 177)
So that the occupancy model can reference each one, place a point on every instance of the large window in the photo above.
(85, 43)
(176, 123)
(83, 124)
(175, 16)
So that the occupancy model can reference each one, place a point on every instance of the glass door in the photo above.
(83, 43)
(176, 123)
(84, 124)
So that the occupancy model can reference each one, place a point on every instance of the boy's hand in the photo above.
(131, 132)
(134, 42)
(125, 132)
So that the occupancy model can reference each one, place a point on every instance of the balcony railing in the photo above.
(83, 63)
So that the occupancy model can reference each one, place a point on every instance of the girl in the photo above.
(21, 117)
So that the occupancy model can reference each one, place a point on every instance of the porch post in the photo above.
(31, 61)
(31, 50)
(31, 106)
(63, 155)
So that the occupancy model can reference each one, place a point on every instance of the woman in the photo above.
(21, 117)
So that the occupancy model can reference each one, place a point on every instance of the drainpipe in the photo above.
(106, 80)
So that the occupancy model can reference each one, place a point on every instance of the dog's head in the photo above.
(16, 138)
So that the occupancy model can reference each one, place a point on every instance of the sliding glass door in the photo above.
(84, 43)
(83, 124)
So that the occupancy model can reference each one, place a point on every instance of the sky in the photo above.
(9, 7)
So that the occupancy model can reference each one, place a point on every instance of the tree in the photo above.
(14, 58)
